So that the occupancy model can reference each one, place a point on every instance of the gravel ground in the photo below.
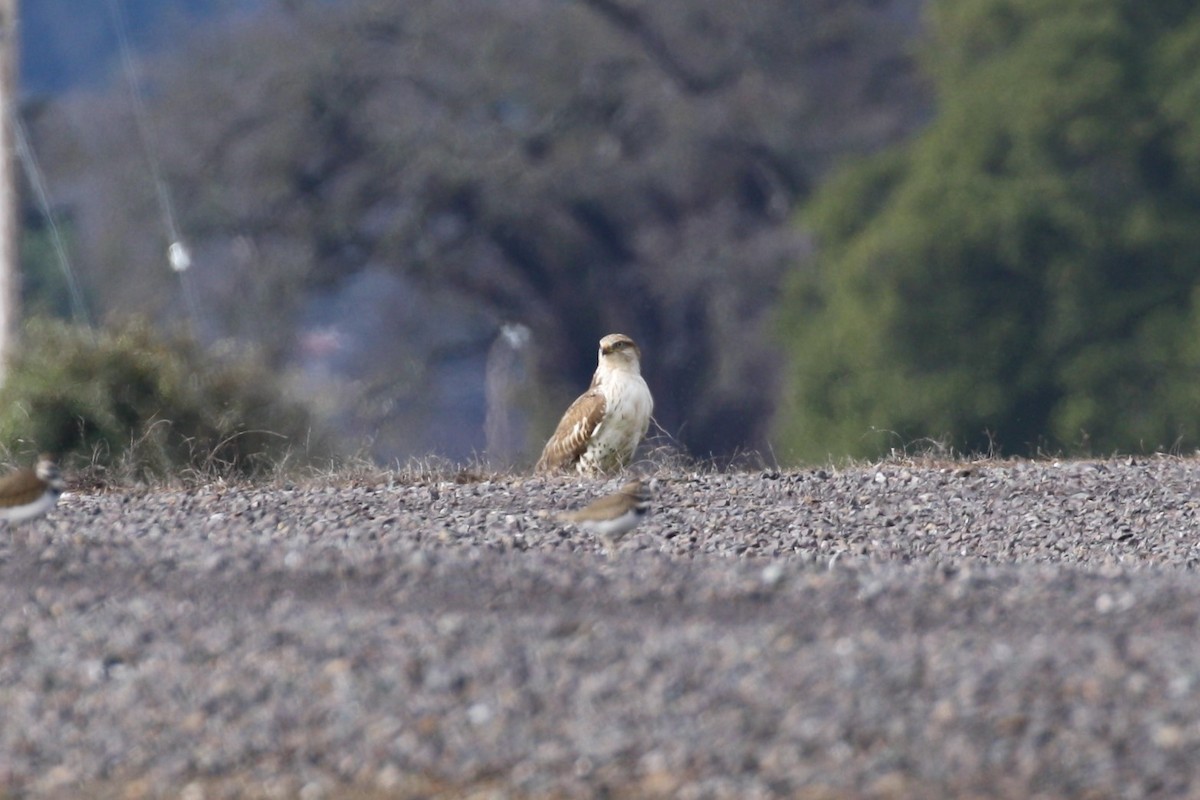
(898, 631)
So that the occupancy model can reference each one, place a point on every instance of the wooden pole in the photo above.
(9, 228)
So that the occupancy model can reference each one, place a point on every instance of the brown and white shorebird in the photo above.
(613, 516)
(600, 431)
(28, 493)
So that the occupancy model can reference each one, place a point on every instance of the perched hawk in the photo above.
(601, 429)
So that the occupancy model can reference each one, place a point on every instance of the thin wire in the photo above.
(145, 128)
(147, 134)
(38, 182)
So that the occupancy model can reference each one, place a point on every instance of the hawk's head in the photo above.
(618, 351)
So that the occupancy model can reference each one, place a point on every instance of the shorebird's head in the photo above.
(618, 351)
(47, 468)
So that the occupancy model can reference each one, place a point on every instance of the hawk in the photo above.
(601, 429)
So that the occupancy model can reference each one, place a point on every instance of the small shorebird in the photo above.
(613, 516)
(28, 493)
(600, 431)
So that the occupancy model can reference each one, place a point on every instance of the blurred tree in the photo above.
(1026, 272)
(577, 167)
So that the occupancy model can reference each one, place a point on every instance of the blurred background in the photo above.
(835, 227)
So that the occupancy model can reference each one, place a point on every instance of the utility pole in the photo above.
(9, 227)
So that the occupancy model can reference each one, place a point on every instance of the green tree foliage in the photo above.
(129, 397)
(1026, 271)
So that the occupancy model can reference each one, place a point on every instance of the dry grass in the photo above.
(660, 456)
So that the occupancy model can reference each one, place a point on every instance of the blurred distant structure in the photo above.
(508, 386)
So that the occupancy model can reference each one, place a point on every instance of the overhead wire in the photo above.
(37, 181)
(178, 253)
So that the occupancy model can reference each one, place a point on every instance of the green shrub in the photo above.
(132, 398)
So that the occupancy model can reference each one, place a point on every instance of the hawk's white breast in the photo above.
(628, 406)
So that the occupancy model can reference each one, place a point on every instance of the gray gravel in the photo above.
(929, 630)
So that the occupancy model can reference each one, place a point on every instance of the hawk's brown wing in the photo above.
(573, 433)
